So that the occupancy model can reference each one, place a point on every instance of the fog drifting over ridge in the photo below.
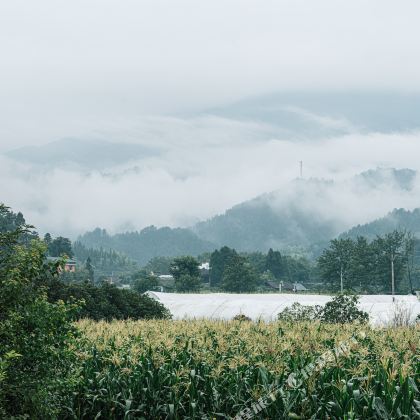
(209, 165)
(156, 88)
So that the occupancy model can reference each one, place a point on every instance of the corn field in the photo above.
(214, 369)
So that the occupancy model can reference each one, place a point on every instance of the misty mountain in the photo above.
(80, 154)
(301, 215)
(402, 179)
(317, 114)
(400, 219)
(148, 243)
(263, 223)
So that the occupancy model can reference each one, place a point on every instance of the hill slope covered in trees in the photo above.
(399, 219)
(148, 243)
(306, 213)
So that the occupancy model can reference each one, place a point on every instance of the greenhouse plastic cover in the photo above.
(267, 306)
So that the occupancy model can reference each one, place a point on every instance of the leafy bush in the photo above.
(241, 317)
(187, 283)
(238, 276)
(340, 310)
(343, 309)
(142, 281)
(107, 301)
(35, 335)
(299, 313)
(186, 274)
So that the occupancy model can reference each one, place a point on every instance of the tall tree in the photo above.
(409, 252)
(144, 281)
(362, 267)
(335, 263)
(391, 257)
(186, 274)
(218, 261)
(275, 264)
(34, 335)
(60, 246)
(90, 270)
(238, 276)
(47, 238)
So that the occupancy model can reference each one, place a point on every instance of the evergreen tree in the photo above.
(335, 263)
(362, 268)
(238, 276)
(187, 283)
(59, 247)
(275, 264)
(47, 239)
(186, 273)
(35, 335)
(90, 270)
(143, 281)
(391, 257)
(218, 261)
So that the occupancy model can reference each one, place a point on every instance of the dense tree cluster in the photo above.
(219, 259)
(159, 265)
(256, 269)
(341, 309)
(148, 243)
(104, 262)
(383, 265)
(106, 301)
(238, 275)
(34, 333)
(59, 246)
(143, 281)
(186, 274)
(36, 313)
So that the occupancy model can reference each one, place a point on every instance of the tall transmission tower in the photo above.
(301, 168)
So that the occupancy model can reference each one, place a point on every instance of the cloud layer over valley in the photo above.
(200, 167)
(126, 114)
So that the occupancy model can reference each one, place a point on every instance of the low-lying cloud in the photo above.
(206, 165)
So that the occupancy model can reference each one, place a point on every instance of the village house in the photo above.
(284, 286)
(69, 265)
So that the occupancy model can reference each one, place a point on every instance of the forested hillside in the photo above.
(10, 221)
(148, 243)
(259, 225)
(304, 216)
(397, 219)
(301, 215)
(105, 262)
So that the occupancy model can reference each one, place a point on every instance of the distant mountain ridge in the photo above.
(258, 225)
(300, 216)
(148, 243)
(399, 219)
(81, 154)
(403, 179)
(295, 218)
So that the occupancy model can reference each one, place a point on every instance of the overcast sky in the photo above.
(132, 70)
(71, 66)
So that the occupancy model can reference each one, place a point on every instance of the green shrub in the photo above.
(241, 317)
(35, 335)
(340, 310)
(343, 309)
(107, 301)
(142, 281)
(300, 313)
